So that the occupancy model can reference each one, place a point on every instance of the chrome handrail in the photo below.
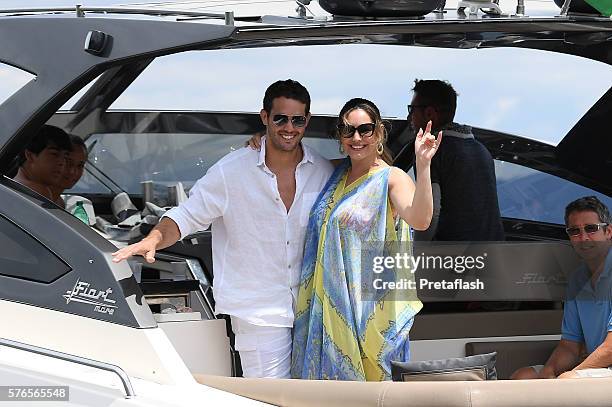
(80, 10)
(127, 385)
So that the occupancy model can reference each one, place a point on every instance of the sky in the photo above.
(536, 94)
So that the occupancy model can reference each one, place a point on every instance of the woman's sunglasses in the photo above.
(589, 229)
(282, 119)
(364, 130)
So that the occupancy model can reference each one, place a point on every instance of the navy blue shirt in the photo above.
(469, 210)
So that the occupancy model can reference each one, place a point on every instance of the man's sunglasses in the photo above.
(364, 130)
(412, 107)
(589, 229)
(282, 119)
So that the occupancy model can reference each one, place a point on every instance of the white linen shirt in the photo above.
(257, 246)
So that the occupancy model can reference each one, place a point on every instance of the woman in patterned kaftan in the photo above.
(344, 329)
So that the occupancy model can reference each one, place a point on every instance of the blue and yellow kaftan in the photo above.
(337, 334)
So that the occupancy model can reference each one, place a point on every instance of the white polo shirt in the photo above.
(257, 246)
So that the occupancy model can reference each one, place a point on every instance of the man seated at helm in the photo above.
(587, 314)
(43, 162)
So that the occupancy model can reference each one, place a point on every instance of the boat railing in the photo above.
(127, 385)
(158, 12)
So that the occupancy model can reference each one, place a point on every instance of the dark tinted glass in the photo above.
(128, 158)
(529, 194)
(22, 256)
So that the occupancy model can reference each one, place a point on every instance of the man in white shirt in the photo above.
(258, 204)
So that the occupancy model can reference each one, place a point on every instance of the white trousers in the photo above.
(265, 351)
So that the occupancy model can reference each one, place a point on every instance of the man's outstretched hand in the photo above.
(145, 248)
(165, 234)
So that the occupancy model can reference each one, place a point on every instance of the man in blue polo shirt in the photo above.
(587, 315)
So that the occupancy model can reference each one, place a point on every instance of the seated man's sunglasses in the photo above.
(589, 229)
(364, 130)
(282, 119)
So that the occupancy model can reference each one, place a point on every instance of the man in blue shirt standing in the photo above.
(587, 315)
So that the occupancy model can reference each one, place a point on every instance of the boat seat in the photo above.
(494, 393)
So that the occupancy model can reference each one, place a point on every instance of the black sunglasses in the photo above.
(412, 107)
(282, 119)
(364, 130)
(589, 229)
